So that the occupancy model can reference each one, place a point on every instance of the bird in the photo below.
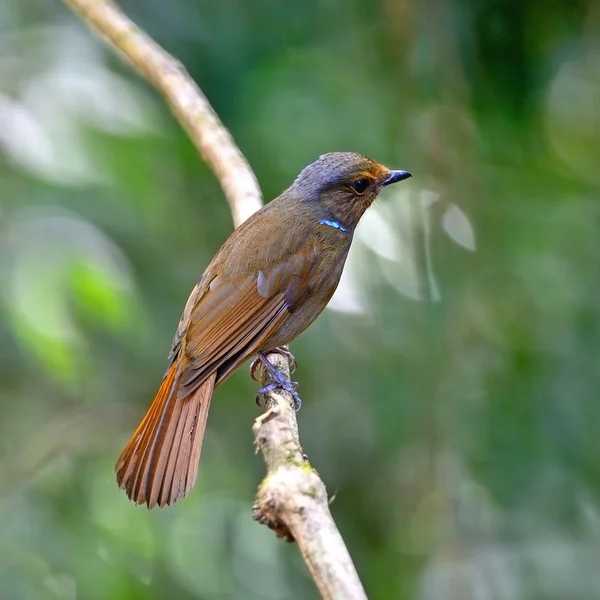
(268, 282)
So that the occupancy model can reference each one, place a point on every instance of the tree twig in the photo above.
(292, 499)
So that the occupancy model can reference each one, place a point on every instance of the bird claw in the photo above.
(278, 381)
(257, 362)
(290, 388)
(286, 354)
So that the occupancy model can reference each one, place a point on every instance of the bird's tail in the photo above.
(160, 462)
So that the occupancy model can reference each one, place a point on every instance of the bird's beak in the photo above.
(395, 176)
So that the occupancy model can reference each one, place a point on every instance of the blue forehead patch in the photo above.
(333, 224)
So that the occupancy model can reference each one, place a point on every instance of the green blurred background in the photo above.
(451, 391)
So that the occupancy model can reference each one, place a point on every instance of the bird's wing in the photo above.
(225, 323)
(197, 293)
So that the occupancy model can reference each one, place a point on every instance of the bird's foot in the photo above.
(277, 380)
(286, 354)
(257, 362)
(284, 384)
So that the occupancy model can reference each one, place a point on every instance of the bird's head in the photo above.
(345, 184)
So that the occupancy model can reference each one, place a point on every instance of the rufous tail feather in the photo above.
(159, 465)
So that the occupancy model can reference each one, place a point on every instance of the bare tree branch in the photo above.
(188, 103)
(292, 499)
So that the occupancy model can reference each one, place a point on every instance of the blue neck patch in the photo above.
(334, 224)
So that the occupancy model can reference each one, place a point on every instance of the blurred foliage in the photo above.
(451, 391)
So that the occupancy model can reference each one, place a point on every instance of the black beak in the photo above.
(396, 176)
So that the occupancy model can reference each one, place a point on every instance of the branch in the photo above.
(188, 103)
(292, 499)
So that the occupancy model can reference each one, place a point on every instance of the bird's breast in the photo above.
(322, 281)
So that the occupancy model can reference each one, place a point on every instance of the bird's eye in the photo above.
(360, 186)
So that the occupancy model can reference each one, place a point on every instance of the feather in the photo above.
(160, 462)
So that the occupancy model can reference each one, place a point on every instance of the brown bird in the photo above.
(269, 281)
